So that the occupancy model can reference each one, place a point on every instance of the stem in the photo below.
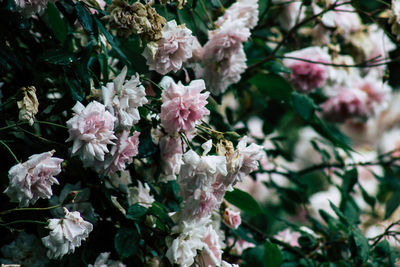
(52, 124)
(186, 140)
(9, 150)
(205, 11)
(23, 209)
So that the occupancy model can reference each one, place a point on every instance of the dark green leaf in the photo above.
(272, 255)
(382, 249)
(126, 242)
(303, 105)
(57, 57)
(341, 216)
(253, 257)
(392, 204)
(359, 245)
(56, 23)
(272, 85)
(243, 201)
(349, 180)
(84, 17)
(135, 212)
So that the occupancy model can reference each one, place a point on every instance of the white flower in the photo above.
(103, 261)
(33, 179)
(212, 252)
(140, 194)
(183, 249)
(91, 130)
(291, 13)
(123, 97)
(172, 50)
(66, 234)
(25, 250)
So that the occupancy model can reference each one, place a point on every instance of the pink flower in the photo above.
(91, 129)
(183, 106)
(171, 156)
(219, 75)
(288, 237)
(232, 219)
(33, 179)
(245, 10)
(212, 252)
(308, 76)
(123, 152)
(174, 48)
(348, 103)
(239, 246)
(225, 41)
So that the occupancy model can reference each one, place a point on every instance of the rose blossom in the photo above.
(33, 179)
(291, 13)
(171, 156)
(245, 10)
(232, 219)
(123, 153)
(308, 76)
(66, 234)
(183, 106)
(212, 252)
(173, 49)
(141, 195)
(91, 129)
(123, 97)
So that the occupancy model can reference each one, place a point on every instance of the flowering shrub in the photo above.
(199, 133)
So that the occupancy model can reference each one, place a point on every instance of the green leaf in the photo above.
(382, 249)
(272, 255)
(253, 257)
(126, 242)
(135, 212)
(341, 216)
(303, 105)
(84, 17)
(56, 23)
(243, 201)
(392, 204)
(359, 245)
(272, 85)
(57, 57)
(349, 180)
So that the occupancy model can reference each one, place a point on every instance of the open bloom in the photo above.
(183, 106)
(171, 156)
(212, 252)
(123, 153)
(245, 10)
(66, 234)
(141, 195)
(33, 179)
(173, 49)
(123, 97)
(91, 130)
(307, 76)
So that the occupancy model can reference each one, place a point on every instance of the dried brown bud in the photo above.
(136, 18)
(29, 105)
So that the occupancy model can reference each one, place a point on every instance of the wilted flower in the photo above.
(33, 179)
(91, 130)
(136, 18)
(245, 10)
(30, 7)
(174, 48)
(141, 195)
(232, 218)
(123, 97)
(292, 12)
(103, 261)
(123, 153)
(183, 106)
(307, 76)
(66, 234)
(26, 250)
(29, 105)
